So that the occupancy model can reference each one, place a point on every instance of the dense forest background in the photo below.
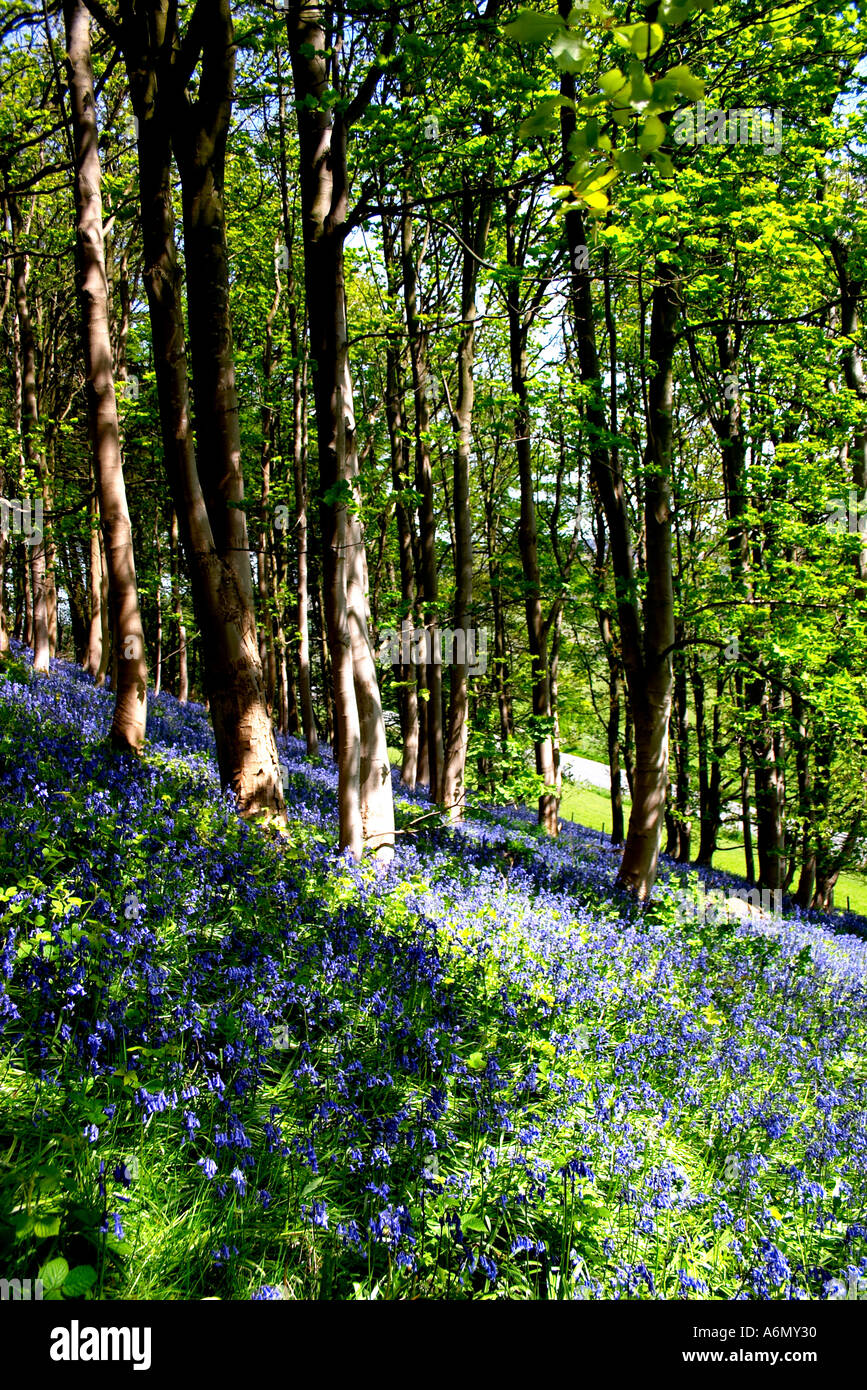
(329, 331)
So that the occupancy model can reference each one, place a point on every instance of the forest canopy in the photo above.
(467, 386)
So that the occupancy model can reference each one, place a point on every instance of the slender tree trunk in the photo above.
(130, 689)
(299, 458)
(807, 879)
(646, 653)
(365, 803)
(744, 771)
(394, 406)
(77, 594)
(27, 586)
(769, 790)
(651, 668)
(417, 335)
(299, 472)
(615, 700)
(709, 754)
(475, 227)
(158, 664)
(851, 290)
(183, 680)
(325, 668)
(15, 404)
(527, 536)
(96, 659)
(32, 453)
(267, 597)
(554, 680)
(50, 545)
(681, 753)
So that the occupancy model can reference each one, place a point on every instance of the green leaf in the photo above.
(476, 1061)
(54, 1274)
(544, 120)
(652, 134)
(22, 1223)
(629, 160)
(474, 1223)
(613, 83)
(79, 1281)
(532, 27)
(647, 39)
(664, 164)
(690, 87)
(671, 14)
(49, 1179)
(571, 52)
(640, 85)
(45, 1226)
(598, 176)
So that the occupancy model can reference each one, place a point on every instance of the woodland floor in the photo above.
(236, 1065)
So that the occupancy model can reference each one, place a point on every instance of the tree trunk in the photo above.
(246, 748)
(299, 461)
(537, 637)
(158, 663)
(220, 579)
(851, 290)
(475, 227)
(183, 681)
(77, 594)
(366, 810)
(681, 753)
(50, 546)
(130, 690)
(267, 597)
(31, 449)
(615, 699)
(325, 667)
(646, 654)
(426, 516)
(96, 660)
(710, 753)
(394, 407)
(807, 878)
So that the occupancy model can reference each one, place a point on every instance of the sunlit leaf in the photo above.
(532, 27)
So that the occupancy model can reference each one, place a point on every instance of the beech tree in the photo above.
(364, 792)
(130, 713)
